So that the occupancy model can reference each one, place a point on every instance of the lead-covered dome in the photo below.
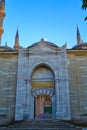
(6, 48)
(81, 46)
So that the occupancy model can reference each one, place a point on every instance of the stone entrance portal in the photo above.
(42, 75)
(43, 106)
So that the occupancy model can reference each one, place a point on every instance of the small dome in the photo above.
(5, 48)
(81, 46)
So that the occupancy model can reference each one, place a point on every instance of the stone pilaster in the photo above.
(27, 100)
(23, 89)
(20, 90)
(57, 98)
(62, 89)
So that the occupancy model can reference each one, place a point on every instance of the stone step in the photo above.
(65, 126)
(58, 125)
(40, 128)
(49, 126)
(40, 125)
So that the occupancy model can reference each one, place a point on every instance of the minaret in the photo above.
(16, 45)
(2, 15)
(78, 36)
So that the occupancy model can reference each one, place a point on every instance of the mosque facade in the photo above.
(42, 81)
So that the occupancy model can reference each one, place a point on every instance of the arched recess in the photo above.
(42, 79)
(42, 87)
(44, 66)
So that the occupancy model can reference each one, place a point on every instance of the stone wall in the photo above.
(8, 74)
(77, 70)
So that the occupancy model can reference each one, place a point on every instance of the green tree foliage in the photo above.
(84, 6)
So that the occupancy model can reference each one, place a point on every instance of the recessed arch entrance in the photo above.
(43, 106)
(42, 82)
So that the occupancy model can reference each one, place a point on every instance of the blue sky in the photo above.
(53, 20)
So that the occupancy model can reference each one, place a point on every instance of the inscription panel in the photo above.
(42, 84)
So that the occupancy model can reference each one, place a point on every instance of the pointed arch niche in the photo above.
(42, 77)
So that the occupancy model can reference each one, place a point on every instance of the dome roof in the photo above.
(81, 46)
(5, 48)
(46, 42)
